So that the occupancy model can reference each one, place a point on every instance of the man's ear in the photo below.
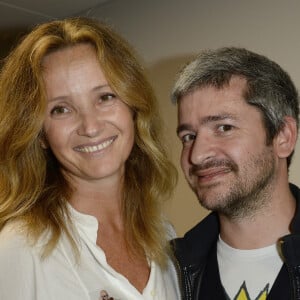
(286, 139)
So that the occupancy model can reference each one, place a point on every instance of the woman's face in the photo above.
(88, 128)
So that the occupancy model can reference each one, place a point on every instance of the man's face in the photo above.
(224, 157)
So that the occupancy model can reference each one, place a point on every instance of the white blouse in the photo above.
(25, 276)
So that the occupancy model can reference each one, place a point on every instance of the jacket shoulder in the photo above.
(197, 241)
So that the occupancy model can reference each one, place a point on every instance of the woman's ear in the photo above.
(43, 140)
(286, 139)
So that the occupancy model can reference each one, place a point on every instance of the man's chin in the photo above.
(211, 200)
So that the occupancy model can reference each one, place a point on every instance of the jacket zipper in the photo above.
(290, 271)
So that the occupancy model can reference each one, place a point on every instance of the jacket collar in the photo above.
(295, 224)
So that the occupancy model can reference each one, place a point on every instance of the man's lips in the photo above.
(213, 168)
(95, 147)
(212, 172)
(209, 172)
(210, 176)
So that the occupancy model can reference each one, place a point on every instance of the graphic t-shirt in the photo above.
(247, 274)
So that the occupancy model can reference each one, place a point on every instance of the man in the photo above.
(238, 117)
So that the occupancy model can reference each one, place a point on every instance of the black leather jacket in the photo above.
(192, 251)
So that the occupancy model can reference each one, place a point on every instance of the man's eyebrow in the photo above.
(216, 118)
(206, 120)
(183, 127)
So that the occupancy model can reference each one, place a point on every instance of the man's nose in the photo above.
(203, 149)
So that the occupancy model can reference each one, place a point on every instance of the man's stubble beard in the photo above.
(248, 193)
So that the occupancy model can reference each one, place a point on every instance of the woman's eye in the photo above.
(57, 110)
(107, 97)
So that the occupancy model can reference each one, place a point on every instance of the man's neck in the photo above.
(262, 228)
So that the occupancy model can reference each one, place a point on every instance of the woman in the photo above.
(83, 170)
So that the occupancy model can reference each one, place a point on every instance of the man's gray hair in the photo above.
(269, 87)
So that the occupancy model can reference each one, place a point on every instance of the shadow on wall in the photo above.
(9, 38)
(162, 75)
(183, 210)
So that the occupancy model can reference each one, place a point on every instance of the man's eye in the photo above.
(224, 128)
(188, 138)
(57, 110)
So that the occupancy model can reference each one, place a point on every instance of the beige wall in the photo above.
(166, 33)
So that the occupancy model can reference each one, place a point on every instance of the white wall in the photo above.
(167, 33)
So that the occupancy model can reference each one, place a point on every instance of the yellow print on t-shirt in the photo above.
(244, 295)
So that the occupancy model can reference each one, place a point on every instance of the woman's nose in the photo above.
(89, 124)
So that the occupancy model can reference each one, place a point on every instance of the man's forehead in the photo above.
(234, 82)
(234, 91)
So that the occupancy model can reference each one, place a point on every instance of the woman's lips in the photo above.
(95, 147)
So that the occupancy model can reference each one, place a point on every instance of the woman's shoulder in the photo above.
(17, 263)
(170, 230)
(14, 241)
